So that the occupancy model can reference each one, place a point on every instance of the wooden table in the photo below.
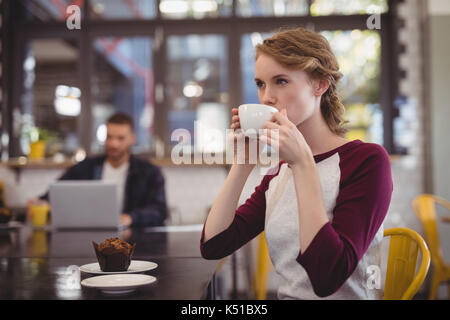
(43, 264)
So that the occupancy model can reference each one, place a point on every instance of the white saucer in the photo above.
(117, 284)
(10, 225)
(136, 266)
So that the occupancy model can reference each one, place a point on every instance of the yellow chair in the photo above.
(425, 208)
(402, 282)
(5, 214)
(263, 267)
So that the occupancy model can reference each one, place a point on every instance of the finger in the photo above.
(235, 118)
(272, 134)
(234, 135)
(265, 139)
(238, 133)
(239, 137)
(280, 118)
(271, 125)
(235, 125)
(273, 142)
(235, 110)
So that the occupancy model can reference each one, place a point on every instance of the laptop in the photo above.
(84, 204)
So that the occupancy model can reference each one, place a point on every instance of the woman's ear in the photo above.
(321, 86)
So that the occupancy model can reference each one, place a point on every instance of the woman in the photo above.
(322, 209)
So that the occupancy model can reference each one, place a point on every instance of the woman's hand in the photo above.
(238, 138)
(235, 124)
(288, 140)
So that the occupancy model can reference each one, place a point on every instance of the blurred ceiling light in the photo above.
(202, 70)
(75, 92)
(80, 155)
(192, 89)
(256, 38)
(67, 102)
(374, 9)
(204, 5)
(279, 7)
(101, 133)
(146, 119)
(70, 107)
(173, 6)
(62, 91)
(29, 63)
(5, 140)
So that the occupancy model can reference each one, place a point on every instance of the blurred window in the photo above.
(345, 7)
(193, 65)
(52, 10)
(197, 84)
(122, 81)
(359, 56)
(196, 9)
(122, 9)
(51, 96)
(256, 8)
(248, 44)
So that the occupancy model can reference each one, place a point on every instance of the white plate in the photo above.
(136, 266)
(10, 225)
(118, 283)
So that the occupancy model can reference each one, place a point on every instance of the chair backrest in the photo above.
(263, 267)
(425, 208)
(2, 196)
(402, 282)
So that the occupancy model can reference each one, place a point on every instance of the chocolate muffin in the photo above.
(114, 254)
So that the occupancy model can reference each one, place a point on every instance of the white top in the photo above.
(340, 261)
(118, 176)
(281, 223)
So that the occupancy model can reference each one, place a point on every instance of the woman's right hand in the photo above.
(239, 137)
(222, 211)
(235, 124)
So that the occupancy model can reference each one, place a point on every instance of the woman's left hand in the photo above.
(289, 141)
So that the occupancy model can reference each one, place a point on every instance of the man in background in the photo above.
(140, 183)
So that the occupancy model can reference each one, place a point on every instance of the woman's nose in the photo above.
(268, 98)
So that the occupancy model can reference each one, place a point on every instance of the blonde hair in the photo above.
(301, 49)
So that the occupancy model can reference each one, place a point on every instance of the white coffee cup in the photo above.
(253, 117)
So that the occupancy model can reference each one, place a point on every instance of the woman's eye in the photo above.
(281, 81)
(259, 84)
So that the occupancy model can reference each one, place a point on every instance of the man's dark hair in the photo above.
(121, 118)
